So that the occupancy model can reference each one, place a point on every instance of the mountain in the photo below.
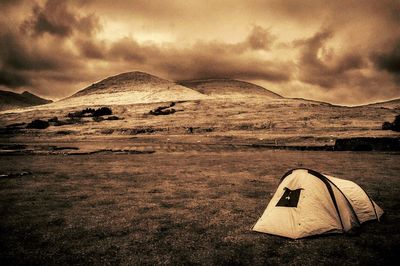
(228, 88)
(391, 104)
(206, 111)
(131, 88)
(123, 82)
(12, 100)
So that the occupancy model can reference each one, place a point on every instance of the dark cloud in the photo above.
(130, 50)
(13, 79)
(58, 18)
(88, 25)
(207, 67)
(389, 61)
(260, 39)
(19, 54)
(204, 59)
(217, 60)
(22, 53)
(201, 60)
(341, 76)
(319, 66)
(6, 3)
(26, 60)
(91, 49)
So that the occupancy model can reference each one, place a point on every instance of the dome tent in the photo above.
(308, 203)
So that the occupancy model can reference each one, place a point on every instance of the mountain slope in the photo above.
(11, 100)
(131, 88)
(391, 104)
(228, 88)
(128, 81)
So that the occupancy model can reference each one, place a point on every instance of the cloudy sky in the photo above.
(345, 52)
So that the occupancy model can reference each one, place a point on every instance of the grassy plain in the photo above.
(182, 207)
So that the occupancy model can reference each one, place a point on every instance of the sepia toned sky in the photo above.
(343, 52)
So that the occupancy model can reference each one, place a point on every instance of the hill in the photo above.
(131, 88)
(124, 82)
(391, 104)
(11, 100)
(228, 88)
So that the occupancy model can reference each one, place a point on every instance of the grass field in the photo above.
(181, 208)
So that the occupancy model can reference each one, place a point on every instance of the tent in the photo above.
(308, 203)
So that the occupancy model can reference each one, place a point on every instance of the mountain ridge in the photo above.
(126, 79)
(11, 100)
(390, 104)
(226, 87)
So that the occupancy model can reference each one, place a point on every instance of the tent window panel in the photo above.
(290, 198)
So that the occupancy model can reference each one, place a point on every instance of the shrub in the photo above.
(162, 111)
(16, 125)
(90, 112)
(69, 121)
(84, 112)
(395, 125)
(38, 124)
(141, 130)
(102, 111)
(97, 118)
(387, 126)
(53, 119)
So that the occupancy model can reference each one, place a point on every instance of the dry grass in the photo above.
(250, 118)
(181, 208)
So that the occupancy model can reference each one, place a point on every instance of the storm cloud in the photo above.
(339, 51)
(57, 18)
(202, 59)
(390, 60)
(321, 66)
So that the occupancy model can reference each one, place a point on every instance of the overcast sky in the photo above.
(345, 52)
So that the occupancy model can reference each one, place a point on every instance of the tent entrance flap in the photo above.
(290, 198)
